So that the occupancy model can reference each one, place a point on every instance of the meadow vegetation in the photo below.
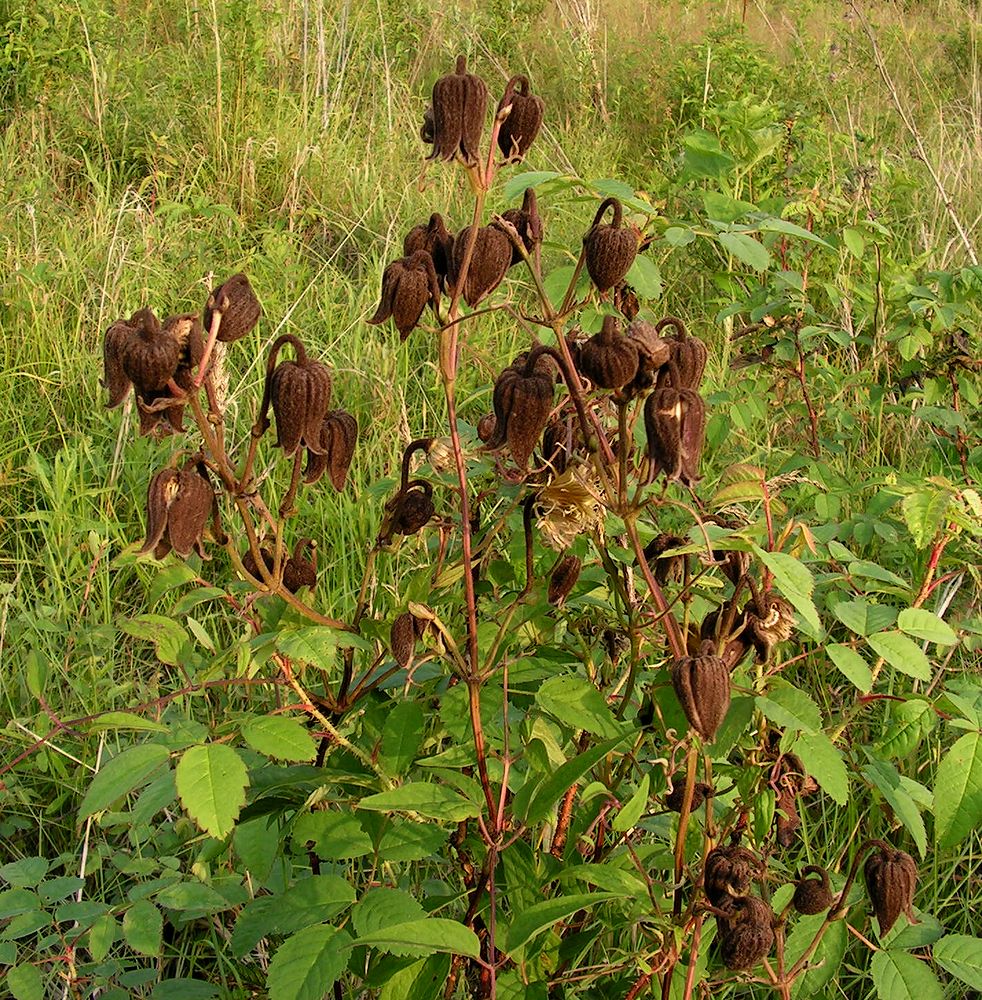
(806, 180)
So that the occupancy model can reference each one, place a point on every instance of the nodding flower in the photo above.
(609, 359)
(523, 121)
(522, 400)
(460, 102)
(179, 504)
(239, 308)
(300, 393)
(408, 286)
(339, 433)
(609, 248)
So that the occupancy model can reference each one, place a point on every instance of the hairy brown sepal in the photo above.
(179, 505)
(522, 400)
(702, 686)
(460, 102)
(408, 286)
(300, 392)
(746, 932)
(339, 434)
(728, 872)
(490, 261)
(891, 877)
(237, 303)
(519, 129)
(609, 359)
(527, 223)
(609, 248)
(436, 240)
(812, 895)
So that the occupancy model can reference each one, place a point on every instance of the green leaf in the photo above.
(102, 936)
(409, 841)
(885, 778)
(25, 983)
(873, 571)
(827, 959)
(211, 783)
(556, 784)
(723, 208)
(924, 512)
(746, 249)
(318, 644)
(167, 636)
(143, 925)
(380, 908)
(854, 241)
(128, 770)
(516, 185)
(850, 663)
(901, 653)
(645, 277)
(907, 723)
(424, 937)
(336, 836)
(110, 721)
(429, 800)
(897, 975)
(184, 989)
(786, 228)
(576, 702)
(795, 581)
(824, 763)
(306, 965)
(280, 737)
(790, 707)
(26, 873)
(402, 736)
(192, 897)
(958, 791)
(679, 236)
(704, 157)
(862, 617)
(926, 625)
(629, 814)
(541, 916)
(961, 955)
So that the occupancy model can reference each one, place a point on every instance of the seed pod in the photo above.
(891, 877)
(339, 433)
(702, 686)
(626, 300)
(527, 223)
(408, 286)
(489, 264)
(522, 400)
(563, 579)
(700, 792)
(768, 625)
(460, 102)
(812, 895)
(609, 249)
(746, 932)
(402, 638)
(436, 240)
(486, 426)
(519, 129)
(179, 505)
(300, 392)
(675, 426)
(728, 872)
(670, 569)
(238, 305)
(250, 565)
(301, 571)
(427, 130)
(608, 359)
(409, 510)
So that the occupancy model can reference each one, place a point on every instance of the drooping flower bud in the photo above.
(490, 260)
(436, 240)
(702, 686)
(675, 426)
(609, 359)
(746, 933)
(812, 895)
(405, 630)
(301, 570)
(728, 872)
(179, 505)
(527, 223)
(238, 305)
(767, 623)
(609, 249)
(408, 511)
(522, 400)
(891, 877)
(666, 568)
(519, 129)
(700, 792)
(688, 360)
(563, 579)
(300, 392)
(408, 286)
(460, 102)
(339, 433)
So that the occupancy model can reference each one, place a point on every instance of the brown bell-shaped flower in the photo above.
(405, 631)
(522, 400)
(666, 568)
(409, 510)
(812, 895)
(733, 645)
(700, 792)
(339, 433)
(237, 303)
(436, 240)
(138, 351)
(702, 686)
(609, 359)
(653, 352)
(408, 286)
(563, 579)
(300, 569)
(460, 102)
(489, 262)
(891, 877)
(300, 393)
(609, 249)
(769, 620)
(179, 505)
(519, 129)
(746, 932)
(688, 357)
(675, 426)
(527, 223)
(728, 872)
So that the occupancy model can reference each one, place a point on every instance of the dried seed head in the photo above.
(237, 303)
(568, 507)
(522, 401)
(436, 240)
(626, 300)
(339, 433)
(519, 129)
(179, 505)
(675, 425)
(408, 286)
(702, 685)
(563, 579)
(460, 102)
(300, 570)
(688, 360)
(486, 427)
(891, 877)
(746, 932)
(670, 568)
(609, 249)
(608, 359)
(490, 261)
(768, 626)
(527, 223)
(728, 872)
(409, 510)
(812, 895)
(300, 392)
(700, 792)
(402, 638)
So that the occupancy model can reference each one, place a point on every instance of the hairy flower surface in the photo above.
(237, 303)
(179, 505)
(519, 129)
(609, 359)
(746, 932)
(812, 895)
(408, 286)
(891, 877)
(339, 433)
(609, 248)
(527, 223)
(300, 393)
(702, 685)
(675, 426)
(728, 872)
(437, 241)
(460, 102)
(563, 579)
(489, 263)
(769, 624)
(522, 400)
